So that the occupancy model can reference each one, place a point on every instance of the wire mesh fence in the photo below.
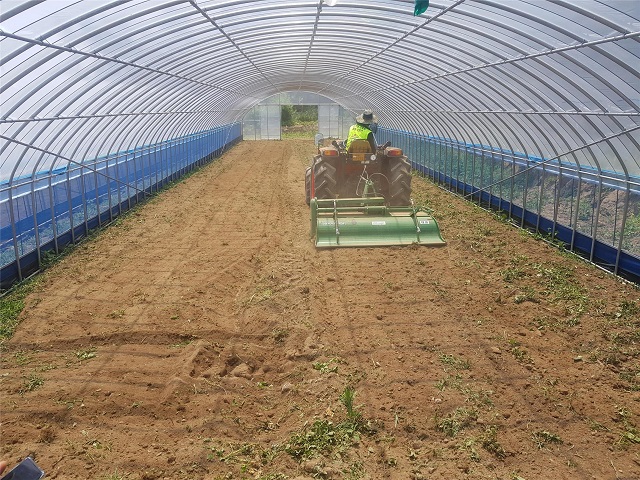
(593, 213)
(45, 211)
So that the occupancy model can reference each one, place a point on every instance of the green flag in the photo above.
(421, 7)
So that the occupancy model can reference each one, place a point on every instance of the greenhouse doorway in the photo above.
(298, 121)
(296, 115)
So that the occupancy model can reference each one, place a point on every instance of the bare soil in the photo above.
(203, 336)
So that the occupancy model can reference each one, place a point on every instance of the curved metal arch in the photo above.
(556, 91)
(71, 136)
(487, 130)
(366, 17)
(517, 125)
(460, 130)
(142, 126)
(58, 29)
(301, 18)
(471, 127)
(19, 8)
(584, 140)
(449, 34)
(128, 29)
(496, 92)
(92, 85)
(103, 58)
(330, 32)
(568, 80)
(91, 33)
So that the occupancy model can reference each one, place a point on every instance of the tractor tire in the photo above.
(400, 183)
(307, 185)
(325, 179)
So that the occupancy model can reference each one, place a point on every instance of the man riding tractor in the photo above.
(360, 168)
(364, 128)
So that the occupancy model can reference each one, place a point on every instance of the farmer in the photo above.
(363, 129)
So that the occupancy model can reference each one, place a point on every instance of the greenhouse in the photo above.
(527, 109)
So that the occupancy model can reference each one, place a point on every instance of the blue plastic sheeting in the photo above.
(53, 210)
(566, 204)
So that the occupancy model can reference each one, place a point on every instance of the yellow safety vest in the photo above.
(357, 131)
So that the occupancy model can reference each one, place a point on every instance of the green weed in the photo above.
(470, 446)
(542, 438)
(559, 285)
(260, 296)
(512, 274)
(326, 367)
(22, 358)
(356, 472)
(244, 450)
(628, 310)
(31, 382)
(455, 362)
(279, 335)
(456, 421)
(528, 294)
(12, 304)
(347, 397)
(450, 381)
(273, 476)
(519, 354)
(86, 354)
(596, 426)
(481, 398)
(324, 437)
(630, 434)
(554, 324)
(489, 441)
(115, 476)
(632, 379)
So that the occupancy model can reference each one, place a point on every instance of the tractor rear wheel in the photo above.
(400, 183)
(324, 179)
(307, 185)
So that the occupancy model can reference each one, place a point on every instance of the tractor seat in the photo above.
(359, 146)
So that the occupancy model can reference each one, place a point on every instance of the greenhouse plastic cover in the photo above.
(547, 79)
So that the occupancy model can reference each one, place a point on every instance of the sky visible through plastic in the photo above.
(80, 80)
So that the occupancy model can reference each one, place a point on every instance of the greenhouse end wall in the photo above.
(45, 212)
(593, 213)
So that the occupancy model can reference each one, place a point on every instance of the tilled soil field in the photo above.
(203, 336)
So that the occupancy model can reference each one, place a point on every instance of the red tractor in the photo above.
(358, 172)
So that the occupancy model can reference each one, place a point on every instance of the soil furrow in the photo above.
(203, 334)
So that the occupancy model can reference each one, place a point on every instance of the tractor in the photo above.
(362, 198)
(336, 172)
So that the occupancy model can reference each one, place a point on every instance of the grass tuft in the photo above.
(12, 304)
(325, 437)
(455, 362)
(542, 438)
(456, 421)
(31, 382)
(489, 441)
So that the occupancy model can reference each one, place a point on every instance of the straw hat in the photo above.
(367, 117)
